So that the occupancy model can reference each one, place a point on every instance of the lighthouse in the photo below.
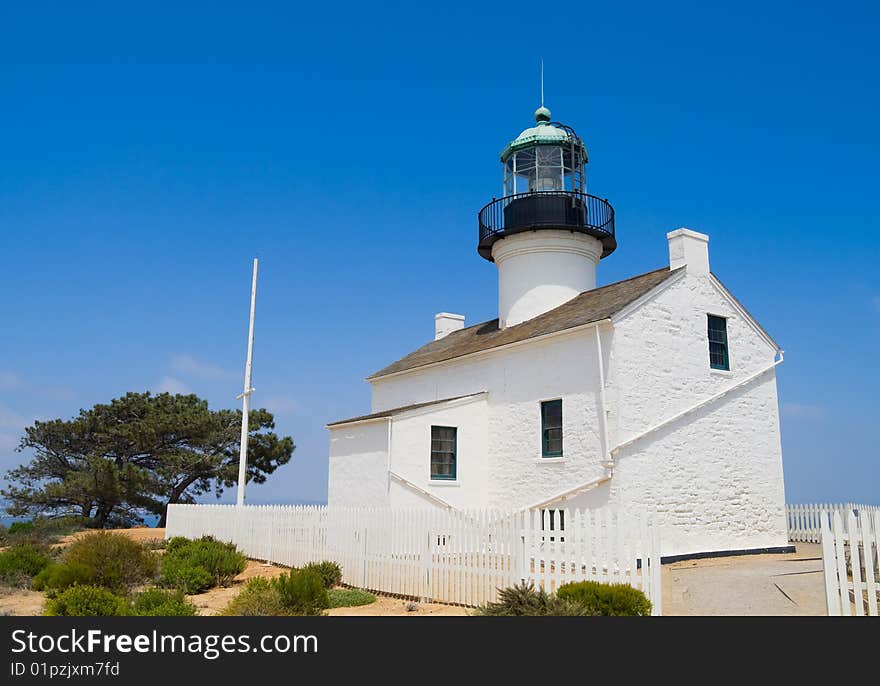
(546, 234)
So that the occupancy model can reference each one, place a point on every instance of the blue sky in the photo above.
(149, 151)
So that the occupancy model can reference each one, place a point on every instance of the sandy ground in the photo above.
(214, 600)
(764, 585)
(20, 602)
(138, 533)
(386, 606)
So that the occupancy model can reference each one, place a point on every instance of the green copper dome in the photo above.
(543, 133)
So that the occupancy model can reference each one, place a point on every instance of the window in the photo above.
(551, 428)
(443, 440)
(718, 357)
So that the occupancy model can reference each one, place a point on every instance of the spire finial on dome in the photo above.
(542, 114)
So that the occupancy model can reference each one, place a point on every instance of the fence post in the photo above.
(427, 558)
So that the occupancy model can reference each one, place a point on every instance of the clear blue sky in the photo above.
(148, 151)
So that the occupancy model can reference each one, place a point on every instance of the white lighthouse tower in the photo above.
(546, 234)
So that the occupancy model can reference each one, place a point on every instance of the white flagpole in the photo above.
(246, 395)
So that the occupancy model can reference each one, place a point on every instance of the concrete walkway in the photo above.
(765, 585)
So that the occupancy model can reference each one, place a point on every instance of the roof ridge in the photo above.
(584, 308)
(592, 290)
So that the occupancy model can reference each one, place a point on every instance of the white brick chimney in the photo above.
(445, 323)
(690, 250)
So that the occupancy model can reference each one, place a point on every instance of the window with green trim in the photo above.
(551, 428)
(443, 452)
(718, 355)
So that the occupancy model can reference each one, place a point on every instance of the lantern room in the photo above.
(545, 157)
(544, 187)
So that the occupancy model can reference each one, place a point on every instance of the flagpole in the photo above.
(246, 395)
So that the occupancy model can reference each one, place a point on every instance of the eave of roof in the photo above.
(387, 414)
(588, 307)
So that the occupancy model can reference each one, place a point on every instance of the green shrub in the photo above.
(219, 563)
(42, 531)
(114, 560)
(60, 576)
(299, 592)
(302, 592)
(20, 527)
(525, 600)
(349, 597)
(176, 543)
(258, 598)
(184, 575)
(20, 563)
(608, 600)
(330, 572)
(86, 601)
(155, 602)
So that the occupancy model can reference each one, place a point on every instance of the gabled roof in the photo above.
(590, 306)
(399, 410)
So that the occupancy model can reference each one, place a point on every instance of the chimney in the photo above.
(690, 250)
(445, 323)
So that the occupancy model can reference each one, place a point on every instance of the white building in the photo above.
(657, 392)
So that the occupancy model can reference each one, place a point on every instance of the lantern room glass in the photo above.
(539, 169)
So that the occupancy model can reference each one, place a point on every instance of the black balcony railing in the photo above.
(567, 210)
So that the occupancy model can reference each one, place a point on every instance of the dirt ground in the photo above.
(138, 533)
(756, 585)
(214, 600)
(764, 585)
(20, 602)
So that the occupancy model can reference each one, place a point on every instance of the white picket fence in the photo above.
(804, 521)
(851, 561)
(458, 557)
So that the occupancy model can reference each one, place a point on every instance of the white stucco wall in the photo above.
(518, 379)
(714, 476)
(359, 458)
(411, 454)
(358, 465)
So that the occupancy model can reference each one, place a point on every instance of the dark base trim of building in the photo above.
(726, 553)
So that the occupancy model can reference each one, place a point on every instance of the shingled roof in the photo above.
(400, 410)
(590, 306)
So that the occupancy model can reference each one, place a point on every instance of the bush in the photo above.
(115, 561)
(41, 531)
(194, 566)
(20, 563)
(349, 597)
(87, 601)
(155, 602)
(299, 592)
(302, 592)
(608, 600)
(330, 572)
(258, 598)
(525, 600)
(58, 577)
(184, 575)
(176, 543)
(20, 527)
